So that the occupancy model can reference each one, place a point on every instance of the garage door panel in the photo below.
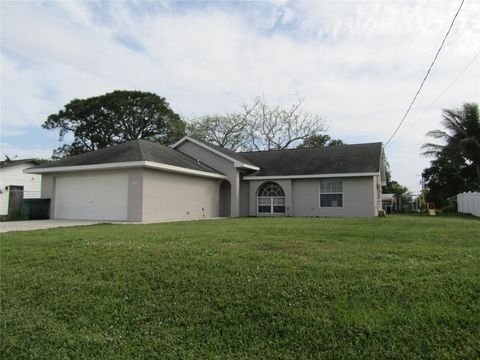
(92, 197)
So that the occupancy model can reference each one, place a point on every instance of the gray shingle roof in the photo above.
(358, 158)
(136, 150)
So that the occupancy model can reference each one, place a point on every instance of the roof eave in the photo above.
(123, 165)
(310, 176)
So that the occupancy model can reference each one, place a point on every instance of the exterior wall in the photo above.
(222, 165)
(287, 188)
(378, 193)
(14, 175)
(171, 196)
(48, 192)
(359, 198)
(135, 195)
(244, 198)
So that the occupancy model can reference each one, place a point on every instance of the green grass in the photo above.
(404, 287)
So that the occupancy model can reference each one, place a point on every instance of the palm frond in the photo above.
(438, 134)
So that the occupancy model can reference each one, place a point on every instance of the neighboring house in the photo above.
(388, 203)
(12, 178)
(145, 181)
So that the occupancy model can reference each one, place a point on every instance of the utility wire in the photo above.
(426, 75)
(441, 94)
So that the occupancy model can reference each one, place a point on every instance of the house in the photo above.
(145, 181)
(388, 203)
(14, 182)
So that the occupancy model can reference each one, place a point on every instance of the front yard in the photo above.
(401, 287)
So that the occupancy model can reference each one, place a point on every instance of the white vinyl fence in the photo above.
(469, 203)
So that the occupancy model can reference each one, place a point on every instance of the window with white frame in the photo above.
(270, 199)
(331, 193)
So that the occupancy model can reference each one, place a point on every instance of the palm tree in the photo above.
(461, 135)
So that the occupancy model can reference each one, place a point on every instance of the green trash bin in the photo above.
(35, 209)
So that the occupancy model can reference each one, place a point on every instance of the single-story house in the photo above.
(145, 181)
(15, 183)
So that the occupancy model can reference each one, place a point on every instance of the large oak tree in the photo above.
(113, 118)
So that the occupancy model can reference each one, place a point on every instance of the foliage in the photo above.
(230, 131)
(277, 128)
(259, 126)
(403, 196)
(319, 140)
(461, 135)
(456, 164)
(447, 176)
(388, 172)
(402, 287)
(116, 117)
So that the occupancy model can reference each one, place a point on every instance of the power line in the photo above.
(442, 93)
(428, 73)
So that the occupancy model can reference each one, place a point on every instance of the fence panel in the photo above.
(469, 203)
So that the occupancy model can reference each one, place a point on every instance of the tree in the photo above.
(113, 118)
(319, 140)
(229, 131)
(448, 175)
(259, 126)
(461, 135)
(456, 164)
(277, 128)
(403, 196)
(336, 142)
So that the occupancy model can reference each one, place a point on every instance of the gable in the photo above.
(236, 158)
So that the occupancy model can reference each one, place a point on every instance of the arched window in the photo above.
(270, 199)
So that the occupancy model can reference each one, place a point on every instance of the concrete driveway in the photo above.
(42, 224)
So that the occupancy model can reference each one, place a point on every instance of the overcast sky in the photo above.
(358, 63)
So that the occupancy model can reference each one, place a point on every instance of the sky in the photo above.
(357, 63)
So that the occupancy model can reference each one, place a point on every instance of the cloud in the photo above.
(358, 63)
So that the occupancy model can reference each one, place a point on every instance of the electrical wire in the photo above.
(441, 94)
(426, 75)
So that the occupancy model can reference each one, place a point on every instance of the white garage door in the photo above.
(91, 197)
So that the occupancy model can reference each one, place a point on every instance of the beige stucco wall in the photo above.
(172, 196)
(244, 197)
(302, 197)
(135, 195)
(358, 198)
(222, 165)
(48, 192)
(157, 195)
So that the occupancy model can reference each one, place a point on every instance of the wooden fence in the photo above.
(469, 203)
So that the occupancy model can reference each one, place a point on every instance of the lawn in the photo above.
(403, 287)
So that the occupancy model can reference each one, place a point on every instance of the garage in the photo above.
(92, 196)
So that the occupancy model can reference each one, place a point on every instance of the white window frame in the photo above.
(272, 202)
(330, 193)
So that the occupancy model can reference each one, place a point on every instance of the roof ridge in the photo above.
(308, 148)
(143, 155)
